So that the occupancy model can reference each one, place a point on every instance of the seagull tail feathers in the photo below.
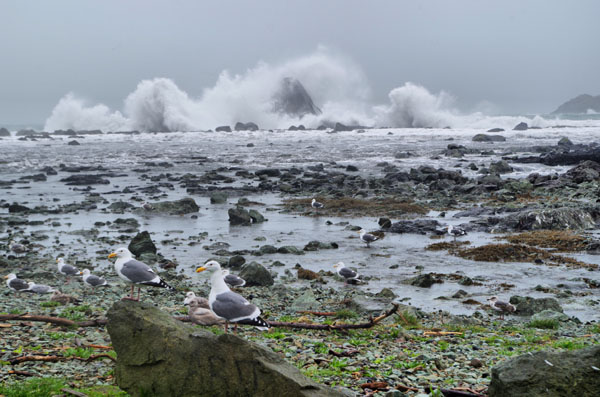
(258, 322)
(162, 284)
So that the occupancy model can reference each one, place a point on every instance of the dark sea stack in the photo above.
(223, 128)
(293, 99)
(250, 126)
(142, 244)
(580, 104)
(488, 138)
(73, 143)
(522, 126)
(4, 132)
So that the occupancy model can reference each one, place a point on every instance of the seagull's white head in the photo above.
(10, 276)
(121, 253)
(85, 272)
(313, 201)
(225, 272)
(189, 296)
(492, 299)
(339, 265)
(211, 266)
(361, 231)
(60, 261)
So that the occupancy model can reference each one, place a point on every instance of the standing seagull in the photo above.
(135, 272)
(316, 205)
(349, 275)
(65, 269)
(502, 307)
(456, 231)
(232, 280)
(92, 280)
(229, 305)
(15, 283)
(147, 206)
(39, 288)
(367, 237)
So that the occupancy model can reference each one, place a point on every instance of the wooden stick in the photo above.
(73, 392)
(317, 313)
(458, 393)
(53, 359)
(406, 388)
(22, 373)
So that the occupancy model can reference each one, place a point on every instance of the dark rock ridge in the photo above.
(223, 128)
(580, 104)
(522, 126)
(293, 99)
(4, 132)
(186, 205)
(161, 356)
(543, 373)
(250, 126)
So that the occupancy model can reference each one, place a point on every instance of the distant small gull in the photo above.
(502, 307)
(147, 206)
(15, 283)
(349, 275)
(39, 288)
(17, 248)
(232, 280)
(232, 307)
(92, 280)
(316, 205)
(199, 310)
(456, 231)
(135, 272)
(367, 237)
(65, 269)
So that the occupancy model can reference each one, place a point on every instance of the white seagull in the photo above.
(15, 283)
(232, 280)
(502, 307)
(135, 272)
(367, 237)
(349, 275)
(92, 280)
(39, 288)
(456, 231)
(199, 310)
(227, 304)
(65, 269)
(316, 205)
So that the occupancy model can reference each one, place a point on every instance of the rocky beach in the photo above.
(527, 199)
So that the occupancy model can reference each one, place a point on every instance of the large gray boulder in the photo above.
(528, 306)
(239, 216)
(256, 274)
(552, 219)
(569, 373)
(4, 132)
(292, 99)
(186, 205)
(160, 356)
(142, 244)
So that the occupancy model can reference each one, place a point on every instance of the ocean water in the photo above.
(197, 152)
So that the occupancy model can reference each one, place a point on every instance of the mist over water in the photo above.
(337, 86)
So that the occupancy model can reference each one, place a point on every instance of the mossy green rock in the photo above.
(570, 373)
(186, 205)
(160, 356)
(142, 244)
(256, 274)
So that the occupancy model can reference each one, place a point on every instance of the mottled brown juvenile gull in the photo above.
(349, 275)
(17, 248)
(227, 304)
(15, 283)
(66, 269)
(502, 307)
(199, 310)
(135, 272)
(92, 280)
(233, 280)
(39, 288)
(368, 238)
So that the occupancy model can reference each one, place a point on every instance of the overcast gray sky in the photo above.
(522, 56)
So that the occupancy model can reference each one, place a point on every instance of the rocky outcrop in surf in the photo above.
(292, 99)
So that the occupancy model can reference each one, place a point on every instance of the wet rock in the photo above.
(384, 223)
(351, 168)
(500, 167)
(239, 216)
(527, 306)
(120, 206)
(305, 274)
(256, 216)
(270, 172)
(488, 138)
(424, 280)
(495, 130)
(564, 141)
(159, 355)
(236, 261)
(522, 126)
(218, 198)
(475, 363)
(552, 219)
(317, 245)
(289, 249)
(571, 155)
(49, 170)
(543, 373)
(292, 99)
(386, 293)
(306, 301)
(545, 315)
(223, 128)
(4, 132)
(256, 274)
(250, 126)
(420, 226)
(73, 143)
(16, 208)
(267, 249)
(85, 180)
(141, 244)
(186, 205)
(341, 127)
(586, 171)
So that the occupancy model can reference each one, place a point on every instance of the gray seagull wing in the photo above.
(94, 280)
(369, 237)
(230, 305)
(18, 284)
(69, 270)
(347, 272)
(138, 272)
